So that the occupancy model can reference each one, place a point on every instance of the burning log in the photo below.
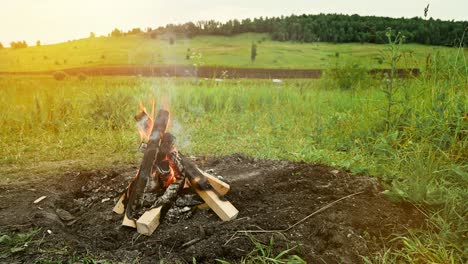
(167, 170)
(137, 186)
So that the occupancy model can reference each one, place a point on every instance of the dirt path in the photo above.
(202, 72)
(268, 194)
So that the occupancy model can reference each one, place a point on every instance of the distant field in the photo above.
(214, 51)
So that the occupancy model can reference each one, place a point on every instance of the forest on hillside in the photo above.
(336, 28)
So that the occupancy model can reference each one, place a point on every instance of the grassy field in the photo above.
(205, 50)
(411, 133)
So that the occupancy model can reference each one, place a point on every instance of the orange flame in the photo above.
(145, 121)
(174, 171)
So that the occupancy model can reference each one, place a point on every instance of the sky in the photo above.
(53, 21)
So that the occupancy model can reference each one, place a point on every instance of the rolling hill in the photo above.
(231, 51)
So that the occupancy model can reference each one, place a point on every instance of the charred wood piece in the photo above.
(169, 197)
(167, 145)
(163, 167)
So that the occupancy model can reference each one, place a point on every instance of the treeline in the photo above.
(335, 28)
(18, 44)
(119, 33)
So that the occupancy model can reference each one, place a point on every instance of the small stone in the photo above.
(64, 215)
(48, 219)
(49, 231)
(105, 200)
(335, 172)
(108, 217)
(185, 209)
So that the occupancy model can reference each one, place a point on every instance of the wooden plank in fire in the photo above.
(149, 221)
(128, 222)
(119, 207)
(221, 187)
(224, 209)
(203, 187)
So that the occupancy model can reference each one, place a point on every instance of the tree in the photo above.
(18, 44)
(116, 33)
(253, 52)
(327, 28)
(171, 40)
(1, 45)
(38, 43)
(134, 31)
(92, 35)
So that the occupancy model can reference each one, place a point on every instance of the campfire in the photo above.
(164, 175)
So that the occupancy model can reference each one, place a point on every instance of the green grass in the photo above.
(30, 243)
(16, 243)
(214, 50)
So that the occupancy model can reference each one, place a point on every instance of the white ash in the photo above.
(178, 213)
(188, 200)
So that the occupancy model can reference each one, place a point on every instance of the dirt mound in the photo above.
(270, 195)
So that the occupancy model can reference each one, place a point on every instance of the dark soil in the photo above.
(269, 195)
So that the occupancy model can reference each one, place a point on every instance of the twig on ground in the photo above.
(281, 231)
(191, 242)
(135, 240)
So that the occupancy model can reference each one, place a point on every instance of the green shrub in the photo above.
(346, 76)
(82, 76)
(59, 75)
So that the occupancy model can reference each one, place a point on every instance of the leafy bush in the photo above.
(82, 76)
(346, 76)
(59, 75)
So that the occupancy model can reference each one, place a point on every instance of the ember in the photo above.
(163, 173)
